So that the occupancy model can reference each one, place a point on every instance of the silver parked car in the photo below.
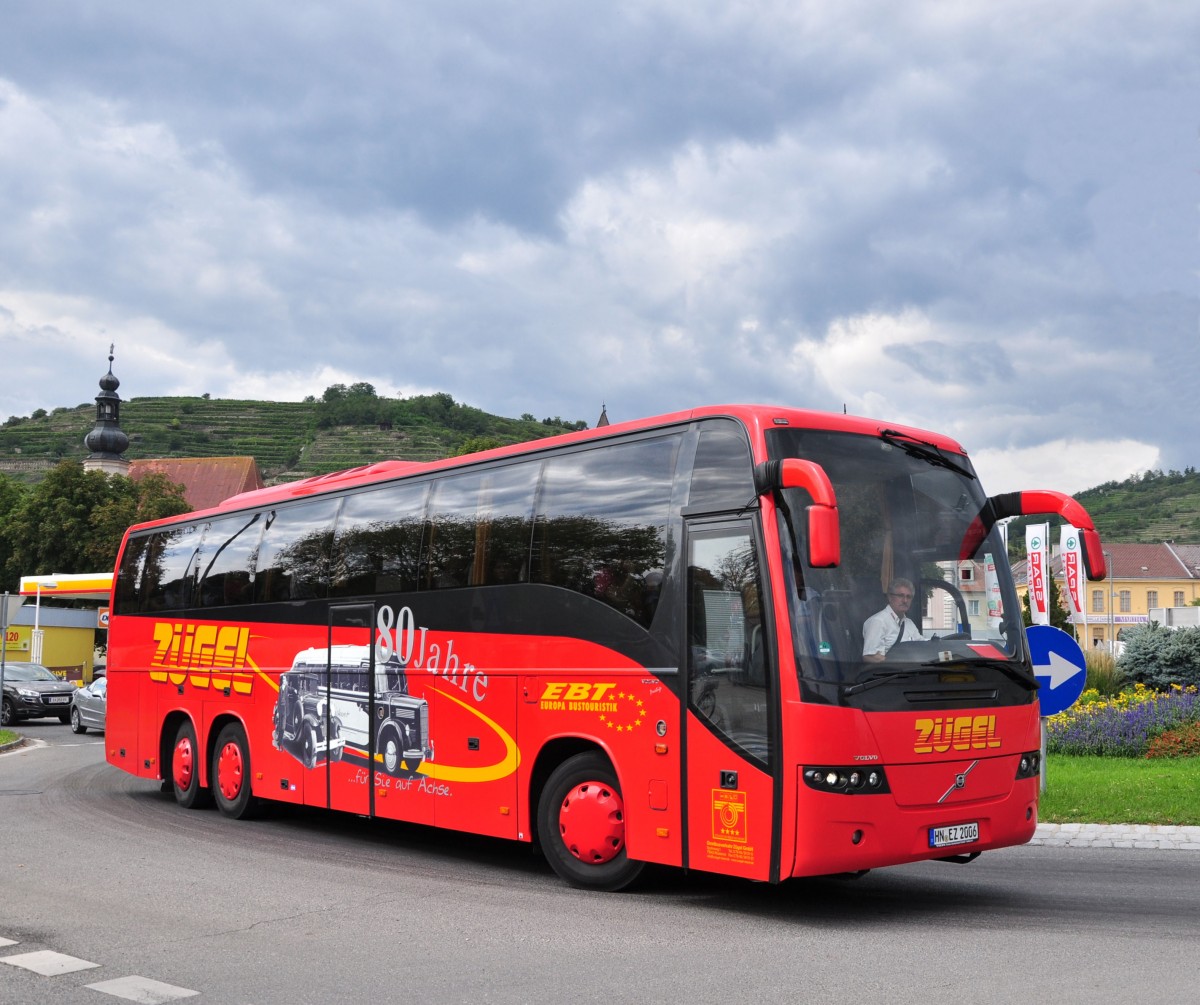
(87, 706)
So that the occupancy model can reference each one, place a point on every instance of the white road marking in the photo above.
(48, 963)
(142, 990)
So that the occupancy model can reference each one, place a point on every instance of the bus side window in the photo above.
(449, 549)
(293, 557)
(479, 528)
(377, 545)
(726, 652)
(225, 559)
(170, 575)
(723, 473)
(504, 525)
(131, 575)
(601, 527)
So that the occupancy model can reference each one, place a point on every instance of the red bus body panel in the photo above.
(499, 717)
(924, 756)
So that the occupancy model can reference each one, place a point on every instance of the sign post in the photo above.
(1060, 669)
(4, 620)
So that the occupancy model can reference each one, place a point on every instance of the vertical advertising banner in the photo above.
(991, 584)
(1073, 574)
(1039, 595)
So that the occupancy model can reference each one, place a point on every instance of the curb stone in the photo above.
(12, 745)
(1160, 836)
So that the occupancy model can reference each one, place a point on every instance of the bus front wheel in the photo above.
(231, 773)
(185, 768)
(581, 825)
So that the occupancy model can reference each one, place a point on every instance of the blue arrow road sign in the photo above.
(1058, 665)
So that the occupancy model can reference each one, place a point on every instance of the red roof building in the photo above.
(206, 481)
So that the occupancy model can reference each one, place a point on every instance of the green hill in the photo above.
(1147, 508)
(1144, 509)
(289, 440)
(352, 426)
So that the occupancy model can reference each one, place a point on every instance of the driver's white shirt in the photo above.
(882, 630)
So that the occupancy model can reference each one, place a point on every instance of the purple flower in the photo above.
(1109, 730)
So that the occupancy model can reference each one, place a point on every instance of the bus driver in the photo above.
(886, 628)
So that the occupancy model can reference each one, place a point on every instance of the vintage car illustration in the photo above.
(329, 706)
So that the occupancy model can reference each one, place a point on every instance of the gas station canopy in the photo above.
(74, 586)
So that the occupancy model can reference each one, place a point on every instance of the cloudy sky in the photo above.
(979, 218)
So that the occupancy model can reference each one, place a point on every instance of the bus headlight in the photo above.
(1029, 765)
(847, 781)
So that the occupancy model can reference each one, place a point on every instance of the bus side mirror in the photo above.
(824, 530)
(1032, 503)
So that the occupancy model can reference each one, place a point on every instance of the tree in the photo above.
(150, 498)
(11, 493)
(1058, 614)
(476, 444)
(73, 520)
(1160, 657)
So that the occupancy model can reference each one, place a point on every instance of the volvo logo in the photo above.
(960, 782)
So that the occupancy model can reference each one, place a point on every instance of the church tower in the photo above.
(107, 442)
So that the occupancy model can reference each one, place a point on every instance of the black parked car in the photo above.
(33, 692)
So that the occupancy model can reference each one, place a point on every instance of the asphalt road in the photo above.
(307, 906)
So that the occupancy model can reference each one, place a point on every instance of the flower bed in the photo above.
(1123, 725)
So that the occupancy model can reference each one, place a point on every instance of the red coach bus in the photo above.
(635, 644)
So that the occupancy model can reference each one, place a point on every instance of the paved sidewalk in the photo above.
(1118, 836)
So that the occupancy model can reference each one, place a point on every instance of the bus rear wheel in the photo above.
(581, 825)
(185, 769)
(231, 773)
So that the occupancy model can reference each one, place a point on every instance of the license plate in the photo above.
(944, 837)
(60, 701)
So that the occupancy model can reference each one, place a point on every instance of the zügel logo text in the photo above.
(955, 732)
(204, 655)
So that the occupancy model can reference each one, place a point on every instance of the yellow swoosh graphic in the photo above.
(506, 766)
(263, 674)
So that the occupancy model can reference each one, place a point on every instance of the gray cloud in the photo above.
(976, 220)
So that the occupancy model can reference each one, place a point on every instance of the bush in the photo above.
(1182, 741)
(1159, 657)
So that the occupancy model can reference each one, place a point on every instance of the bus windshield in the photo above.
(906, 616)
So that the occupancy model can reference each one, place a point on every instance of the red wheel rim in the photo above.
(229, 770)
(183, 763)
(592, 822)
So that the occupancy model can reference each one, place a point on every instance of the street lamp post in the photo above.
(1112, 597)
(35, 642)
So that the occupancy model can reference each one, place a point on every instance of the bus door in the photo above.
(731, 706)
(348, 714)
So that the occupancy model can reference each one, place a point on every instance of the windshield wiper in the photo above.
(923, 449)
(887, 678)
(957, 667)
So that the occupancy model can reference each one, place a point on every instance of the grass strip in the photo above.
(1121, 790)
